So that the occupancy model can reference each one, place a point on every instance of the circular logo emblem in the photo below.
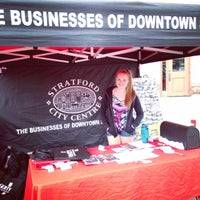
(74, 99)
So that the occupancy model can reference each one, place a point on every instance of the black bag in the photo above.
(70, 153)
(61, 153)
(13, 170)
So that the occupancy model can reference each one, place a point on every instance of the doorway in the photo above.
(175, 79)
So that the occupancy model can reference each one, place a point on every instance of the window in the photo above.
(178, 65)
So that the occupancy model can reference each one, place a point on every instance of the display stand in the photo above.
(147, 91)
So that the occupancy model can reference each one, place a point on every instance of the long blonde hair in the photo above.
(130, 92)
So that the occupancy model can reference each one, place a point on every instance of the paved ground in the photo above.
(181, 109)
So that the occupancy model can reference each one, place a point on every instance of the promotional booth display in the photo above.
(57, 58)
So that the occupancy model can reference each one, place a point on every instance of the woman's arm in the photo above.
(139, 112)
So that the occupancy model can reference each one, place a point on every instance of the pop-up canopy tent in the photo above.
(58, 57)
(76, 31)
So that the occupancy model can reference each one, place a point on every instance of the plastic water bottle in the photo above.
(144, 133)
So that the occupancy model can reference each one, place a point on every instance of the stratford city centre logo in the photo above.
(74, 99)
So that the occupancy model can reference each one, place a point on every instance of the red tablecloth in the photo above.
(170, 176)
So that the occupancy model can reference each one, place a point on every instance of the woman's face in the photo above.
(121, 80)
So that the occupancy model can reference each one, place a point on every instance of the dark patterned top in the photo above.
(120, 113)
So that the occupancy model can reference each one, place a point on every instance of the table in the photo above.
(170, 176)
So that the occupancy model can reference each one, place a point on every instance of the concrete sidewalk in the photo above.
(181, 110)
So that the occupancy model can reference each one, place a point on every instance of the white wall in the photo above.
(153, 70)
(195, 69)
(177, 109)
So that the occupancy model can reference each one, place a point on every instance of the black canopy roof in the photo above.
(77, 31)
